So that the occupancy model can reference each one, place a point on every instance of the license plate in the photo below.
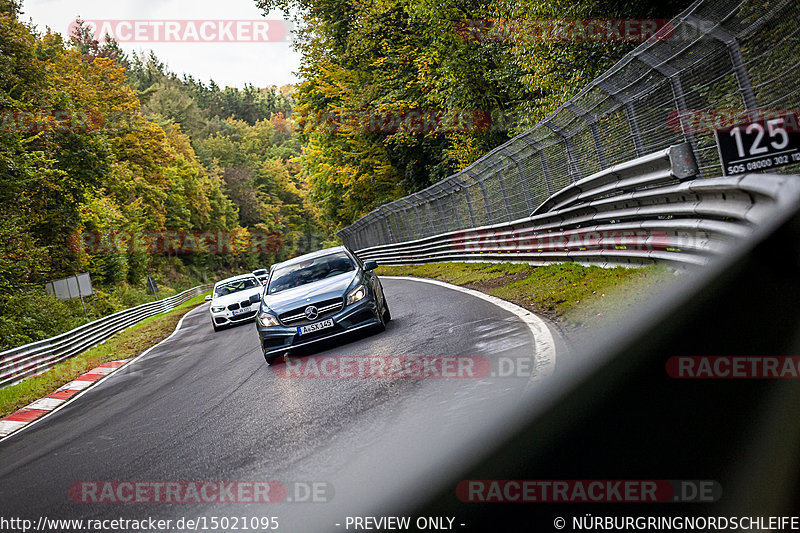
(310, 328)
(240, 311)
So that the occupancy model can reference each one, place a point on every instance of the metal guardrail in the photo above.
(651, 209)
(722, 56)
(31, 359)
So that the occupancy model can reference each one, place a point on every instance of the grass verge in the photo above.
(568, 293)
(122, 345)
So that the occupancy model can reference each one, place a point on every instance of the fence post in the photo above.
(673, 76)
(522, 181)
(572, 165)
(419, 220)
(408, 225)
(737, 60)
(503, 191)
(630, 113)
(592, 121)
(469, 202)
(548, 181)
(455, 183)
(430, 218)
(485, 196)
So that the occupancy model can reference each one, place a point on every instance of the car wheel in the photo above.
(387, 316)
(381, 326)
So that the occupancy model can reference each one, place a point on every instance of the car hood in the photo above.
(310, 293)
(236, 297)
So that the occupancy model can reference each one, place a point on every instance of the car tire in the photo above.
(271, 359)
(387, 315)
(381, 326)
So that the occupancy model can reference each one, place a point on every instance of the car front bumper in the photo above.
(226, 317)
(279, 339)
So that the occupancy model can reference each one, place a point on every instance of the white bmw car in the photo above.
(235, 300)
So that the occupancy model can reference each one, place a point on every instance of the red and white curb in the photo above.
(43, 406)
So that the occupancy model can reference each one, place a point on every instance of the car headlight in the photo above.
(217, 308)
(267, 320)
(357, 294)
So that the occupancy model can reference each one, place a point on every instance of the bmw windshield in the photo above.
(316, 269)
(238, 285)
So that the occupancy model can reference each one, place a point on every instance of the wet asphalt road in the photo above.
(205, 406)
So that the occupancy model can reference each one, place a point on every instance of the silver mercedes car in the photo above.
(319, 296)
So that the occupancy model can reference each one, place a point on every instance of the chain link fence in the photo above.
(722, 56)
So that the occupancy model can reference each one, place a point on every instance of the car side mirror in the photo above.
(208, 297)
(370, 265)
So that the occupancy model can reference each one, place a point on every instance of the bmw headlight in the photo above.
(267, 320)
(217, 308)
(357, 294)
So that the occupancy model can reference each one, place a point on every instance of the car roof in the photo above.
(234, 278)
(312, 255)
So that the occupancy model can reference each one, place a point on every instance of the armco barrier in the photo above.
(19, 363)
(721, 58)
(647, 210)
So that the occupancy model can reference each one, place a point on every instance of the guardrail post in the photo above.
(630, 113)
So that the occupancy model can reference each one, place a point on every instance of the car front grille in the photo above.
(297, 316)
(243, 303)
(243, 316)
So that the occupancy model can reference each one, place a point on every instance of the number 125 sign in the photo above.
(759, 145)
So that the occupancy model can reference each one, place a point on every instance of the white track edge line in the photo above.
(84, 391)
(544, 362)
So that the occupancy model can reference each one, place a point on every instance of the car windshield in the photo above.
(310, 271)
(229, 287)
